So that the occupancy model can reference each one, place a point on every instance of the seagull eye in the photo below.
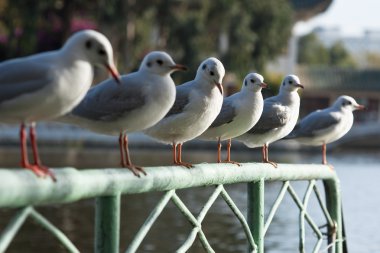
(212, 73)
(349, 103)
(252, 81)
(101, 52)
(290, 82)
(160, 62)
(88, 44)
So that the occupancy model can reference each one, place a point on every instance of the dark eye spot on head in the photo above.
(149, 64)
(283, 83)
(245, 83)
(212, 73)
(204, 66)
(160, 62)
(88, 44)
(102, 52)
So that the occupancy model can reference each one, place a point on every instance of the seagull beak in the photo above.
(178, 67)
(220, 87)
(115, 74)
(299, 85)
(359, 107)
(264, 85)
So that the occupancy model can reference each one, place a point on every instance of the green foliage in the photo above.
(245, 35)
(312, 52)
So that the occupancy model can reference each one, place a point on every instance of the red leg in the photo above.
(37, 162)
(219, 159)
(266, 160)
(174, 153)
(229, 154)
(135, 169)
(122, 159)
(179, 158)
(324, 157)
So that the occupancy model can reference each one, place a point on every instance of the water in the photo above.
(358, 171)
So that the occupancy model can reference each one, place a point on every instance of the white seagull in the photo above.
(197, 104)
(278, 119)
(47, 85)
(140, 101)
(328, 125)
(239, 113)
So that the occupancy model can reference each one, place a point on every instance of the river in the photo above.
(359, 172)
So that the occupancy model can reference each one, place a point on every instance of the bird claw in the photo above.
(233, 162)
(40, 171)
(271, 163)
(187, 165)
(136, 170)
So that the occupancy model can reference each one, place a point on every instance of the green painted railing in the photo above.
(20, 188)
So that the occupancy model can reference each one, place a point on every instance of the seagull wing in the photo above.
(181, 100)
(314, 123)
(22, 76)
(226, 115)
(274, 116)
(109, 101)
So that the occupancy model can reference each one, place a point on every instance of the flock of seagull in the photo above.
(55, 85)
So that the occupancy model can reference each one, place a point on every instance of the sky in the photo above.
(352, 16)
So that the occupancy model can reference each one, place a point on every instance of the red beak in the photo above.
(115, 74)
(220, 87)
(360, 107)
(179, 67)
(264, 85)
(300, 85)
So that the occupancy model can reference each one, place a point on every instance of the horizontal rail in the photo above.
(19, 187)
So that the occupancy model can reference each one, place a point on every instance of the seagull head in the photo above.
(347, 103)
(291, 83)
(212, 70)
(95, 48)
(254, 82)
(160, 63)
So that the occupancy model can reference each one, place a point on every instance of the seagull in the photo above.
(197, 104)
(141, 100)
(328, 125)
(46, 85)
(278, 119)
(239, 113)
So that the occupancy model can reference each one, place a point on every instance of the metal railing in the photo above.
(20, 188)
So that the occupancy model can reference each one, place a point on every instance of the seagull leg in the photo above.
(174, 153)
(135, 169)
(121, 148)
(229, 154)
(219, 151)
(266, 159)
(37, 161)
(324, 158)
(179, 158)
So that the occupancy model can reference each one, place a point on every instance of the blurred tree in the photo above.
(340, 57)
(373, 60)
(244, 34)
(311, 51)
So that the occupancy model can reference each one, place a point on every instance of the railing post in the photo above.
(107, 224)
(256, 213)
(334, 206)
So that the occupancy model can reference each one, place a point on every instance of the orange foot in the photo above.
(40, 171)
(136, 170)
(233, 162)
(187, 165)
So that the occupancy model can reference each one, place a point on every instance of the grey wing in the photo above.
(181, 100)
(226, 115)
(273, 116)
(315, 122)
(109, 101)
(19, 77)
